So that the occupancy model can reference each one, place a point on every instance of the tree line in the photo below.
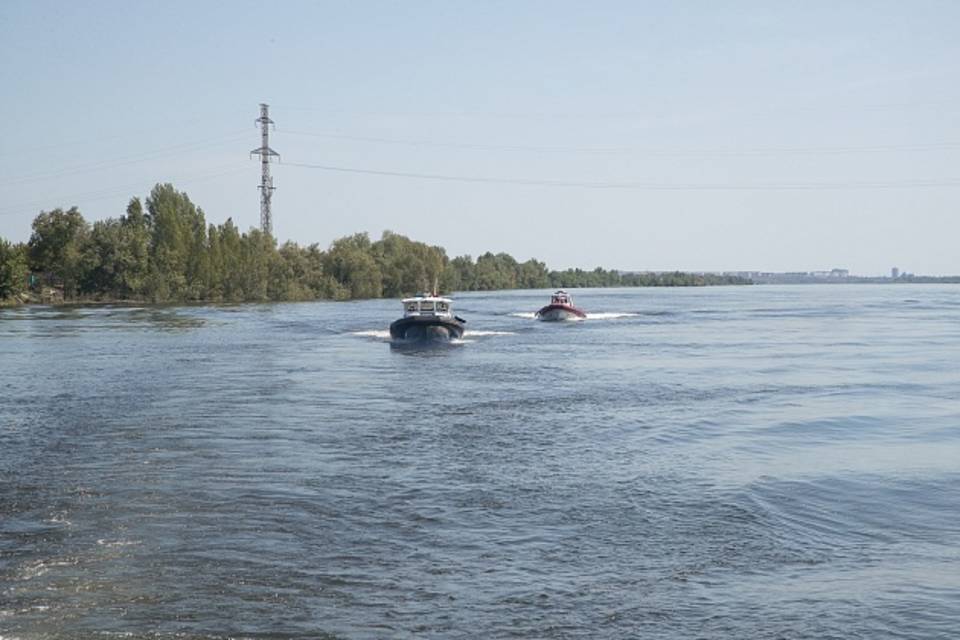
(163, 250)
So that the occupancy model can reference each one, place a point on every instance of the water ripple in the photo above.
(761, 462)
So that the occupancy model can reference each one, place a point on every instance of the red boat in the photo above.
(560, 308)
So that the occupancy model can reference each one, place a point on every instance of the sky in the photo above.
(697, 135)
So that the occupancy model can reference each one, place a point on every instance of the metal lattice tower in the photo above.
(266, 182)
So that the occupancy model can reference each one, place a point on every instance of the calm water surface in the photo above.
(739, 462)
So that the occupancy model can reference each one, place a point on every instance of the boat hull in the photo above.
(418, 329)
(560, 313)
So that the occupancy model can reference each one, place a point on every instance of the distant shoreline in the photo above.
(163, 250)
(35, 301)
(806, 279)
(57, 299)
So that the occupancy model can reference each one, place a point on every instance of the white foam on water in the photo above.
(381, 334)
(117, 543)
(566, 319)
(474, 334)
(524, 314)
(60, 518)
(41, 567)
(610, 315)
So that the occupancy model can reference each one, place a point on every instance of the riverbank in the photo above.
(54, 296)
(164, 251)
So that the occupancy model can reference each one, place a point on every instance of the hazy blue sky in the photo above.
(690, 135)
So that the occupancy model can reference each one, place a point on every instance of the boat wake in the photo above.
(384, 334)
(379, 334)
(610, 316)
(475, 334)
(590, 316)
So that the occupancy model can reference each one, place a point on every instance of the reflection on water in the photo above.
(426, 348)
(69, 320)
(752, 462)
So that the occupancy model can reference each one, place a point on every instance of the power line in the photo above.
(641, 186)
(455, 145)
(125, 160)
(100, 138)
(760, 151)
(103, 194)
(667, 112)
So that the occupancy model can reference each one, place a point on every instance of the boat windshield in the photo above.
(415, 306)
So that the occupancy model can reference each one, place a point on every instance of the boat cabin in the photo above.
(561, 297)
(426, 306)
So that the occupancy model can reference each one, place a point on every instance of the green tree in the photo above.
(104, 251)
(56, 247)
(177, 242)
(257, 254)
(533, 275)
(460, 274)
(13, 269)
(407, 266)
(135, 234)
(305, 278)
(496, 272)
(215, 270)
(351, 264)
(230, 261)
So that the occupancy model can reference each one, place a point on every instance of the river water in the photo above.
(730, 462)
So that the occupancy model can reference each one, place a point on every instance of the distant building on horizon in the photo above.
(793, 277)
(835, 276)
(833, 273)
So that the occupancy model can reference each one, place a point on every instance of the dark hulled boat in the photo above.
(560, 308)
(427, 319)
